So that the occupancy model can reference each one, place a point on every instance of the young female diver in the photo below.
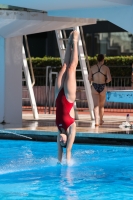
(99, 75)
(65, 94)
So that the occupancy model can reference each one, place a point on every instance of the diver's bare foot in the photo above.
(101, 122)
(75, 36)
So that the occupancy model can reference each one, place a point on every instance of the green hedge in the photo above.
(114, 61)
(45, 61)
(110, 61)
(119, 65)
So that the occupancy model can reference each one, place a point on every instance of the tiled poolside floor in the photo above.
(46, 122)
(44, 128)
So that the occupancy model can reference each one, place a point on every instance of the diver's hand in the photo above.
(58, 163)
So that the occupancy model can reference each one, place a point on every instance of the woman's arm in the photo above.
(70, 141)
(60, 149)
(90, 76)
(108, 76)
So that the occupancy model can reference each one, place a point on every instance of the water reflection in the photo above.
(67, 185)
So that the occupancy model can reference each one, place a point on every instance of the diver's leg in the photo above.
(70, 81)
(62, 74)
(68, 50)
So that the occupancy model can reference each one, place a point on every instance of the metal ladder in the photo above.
(26, 80)
(48, 90)
(61, 40)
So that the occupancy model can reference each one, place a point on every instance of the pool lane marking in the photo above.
(16, 134)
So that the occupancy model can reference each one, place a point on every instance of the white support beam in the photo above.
(85, 75)
(2, 79)
(11, 80)
(29, 85)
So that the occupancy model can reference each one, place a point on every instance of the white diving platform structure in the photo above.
(13, 25)
(18, 18)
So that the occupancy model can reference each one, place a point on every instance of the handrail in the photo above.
(84, 47)
(50, 81)
(46, 86)
(30, 62)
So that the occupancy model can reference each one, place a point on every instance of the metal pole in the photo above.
(46, 85)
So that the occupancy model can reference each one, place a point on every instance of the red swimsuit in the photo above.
(63, 107)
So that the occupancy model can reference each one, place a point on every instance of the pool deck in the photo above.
(44, 129)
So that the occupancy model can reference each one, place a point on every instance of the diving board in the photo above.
(121, 96)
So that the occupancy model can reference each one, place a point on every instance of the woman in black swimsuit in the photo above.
(99, 75)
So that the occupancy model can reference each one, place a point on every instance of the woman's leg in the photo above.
(70, 81)
(102, 98)
(95, 97)
(62, 74)
(60, 80)
(68, 50)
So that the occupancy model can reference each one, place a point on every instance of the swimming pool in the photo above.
(28, 170)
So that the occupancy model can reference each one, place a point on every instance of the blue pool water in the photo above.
(28, 170)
